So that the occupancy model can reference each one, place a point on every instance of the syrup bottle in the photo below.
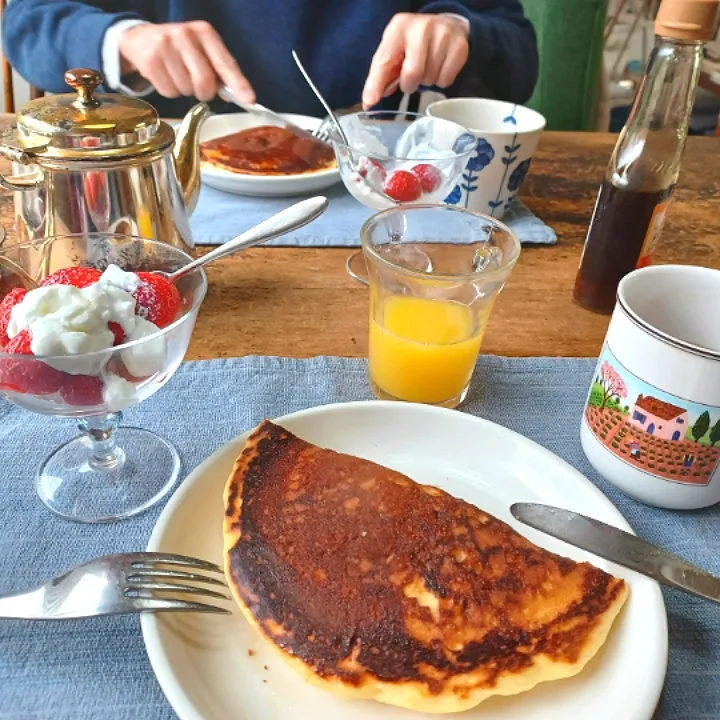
(643, 170)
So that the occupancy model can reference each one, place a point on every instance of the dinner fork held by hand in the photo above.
(120, 584)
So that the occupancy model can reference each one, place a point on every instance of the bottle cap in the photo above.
(688, 19)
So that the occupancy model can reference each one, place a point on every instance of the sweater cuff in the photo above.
(92, 27)
(133, 85)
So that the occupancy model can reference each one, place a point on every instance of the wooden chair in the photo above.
(8, 77)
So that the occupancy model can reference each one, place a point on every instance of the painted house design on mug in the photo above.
(651, 430)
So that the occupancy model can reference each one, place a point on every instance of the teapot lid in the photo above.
(89, 125)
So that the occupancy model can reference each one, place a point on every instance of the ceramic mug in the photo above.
(507, 136)
(651, 424)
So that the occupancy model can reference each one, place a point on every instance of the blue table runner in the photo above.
(220, 216)
(98, 668)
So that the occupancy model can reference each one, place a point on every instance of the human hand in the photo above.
(423, 49)
(187, 58)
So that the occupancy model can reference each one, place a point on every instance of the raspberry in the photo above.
(430, 177)
(368, 166)
(25, 375)
(402, 186)
(158, 300)
(81, 390)
(8, 303)
(78, 277)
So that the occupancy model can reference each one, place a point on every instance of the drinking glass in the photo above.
(110, 471)
(431, 298)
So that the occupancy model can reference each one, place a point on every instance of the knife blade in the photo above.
(620, 547)
(255, 108)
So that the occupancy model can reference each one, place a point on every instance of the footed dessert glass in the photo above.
(110, 471)
(399, 158)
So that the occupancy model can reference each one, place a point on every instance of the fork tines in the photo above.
(152, 576)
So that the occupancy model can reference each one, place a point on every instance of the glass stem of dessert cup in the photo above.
(100, 431)
(93, 479)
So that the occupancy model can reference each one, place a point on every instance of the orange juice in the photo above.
(423, 350)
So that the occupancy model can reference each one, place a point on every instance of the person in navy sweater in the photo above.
(176, 50)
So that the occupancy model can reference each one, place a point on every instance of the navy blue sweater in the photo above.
(335, 39)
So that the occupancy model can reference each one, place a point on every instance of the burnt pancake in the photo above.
(374, 586)
(267, 150)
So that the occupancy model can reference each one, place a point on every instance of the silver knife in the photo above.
(619, 547)
(227, 95)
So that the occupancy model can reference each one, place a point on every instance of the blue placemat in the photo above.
(220, 216)
(98, 668)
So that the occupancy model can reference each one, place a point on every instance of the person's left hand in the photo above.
(422, 49)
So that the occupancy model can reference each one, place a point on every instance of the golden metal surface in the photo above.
(105, 163)
(88, 124)
(187, 154)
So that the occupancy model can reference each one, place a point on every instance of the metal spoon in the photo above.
(292, 218)
(340, 130)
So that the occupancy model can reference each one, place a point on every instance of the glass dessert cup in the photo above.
(431, 299)
(381, 143)
(109, 472)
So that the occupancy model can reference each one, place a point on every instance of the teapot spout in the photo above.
(187, 154)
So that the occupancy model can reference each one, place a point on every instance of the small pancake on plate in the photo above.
(373, 586)
(267, 150)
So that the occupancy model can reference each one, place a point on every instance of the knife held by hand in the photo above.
(620, 547)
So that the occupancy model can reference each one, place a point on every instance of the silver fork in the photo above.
(120, 584)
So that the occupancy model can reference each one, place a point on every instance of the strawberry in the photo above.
(430, 177)
(118, 332)
(25, 375)
(8, 303)
(158, 300)
(20, 344)
(76, 276)
(82, 390)
(402, 186)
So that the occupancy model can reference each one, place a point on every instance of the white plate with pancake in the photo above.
(214, 667)
(261, 185)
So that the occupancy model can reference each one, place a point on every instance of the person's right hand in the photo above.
(186, 58)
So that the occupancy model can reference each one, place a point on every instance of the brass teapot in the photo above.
(94, 162)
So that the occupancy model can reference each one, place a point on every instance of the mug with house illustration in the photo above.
(651, 423)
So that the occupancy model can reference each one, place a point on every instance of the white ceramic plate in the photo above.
(218, 668)
(261, 185)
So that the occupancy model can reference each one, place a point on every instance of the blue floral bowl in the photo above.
(506, 138)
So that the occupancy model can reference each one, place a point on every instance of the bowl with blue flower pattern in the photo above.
(506, 136)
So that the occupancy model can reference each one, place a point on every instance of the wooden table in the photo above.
(301, 302)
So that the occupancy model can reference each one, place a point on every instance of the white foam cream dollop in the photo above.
(65, 320)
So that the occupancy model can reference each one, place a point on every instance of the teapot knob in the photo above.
(85, 80)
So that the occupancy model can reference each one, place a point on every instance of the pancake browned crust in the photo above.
(267, 150)
(373, 586)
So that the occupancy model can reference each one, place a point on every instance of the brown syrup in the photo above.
(617, 243)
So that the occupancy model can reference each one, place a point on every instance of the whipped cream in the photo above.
(365, 194)
(65, 320)
(148, 357)
(118, 393)
(127, 281)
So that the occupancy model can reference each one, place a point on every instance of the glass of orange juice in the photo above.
(434, 272)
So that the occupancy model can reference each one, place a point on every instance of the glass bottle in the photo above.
(640, 179)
